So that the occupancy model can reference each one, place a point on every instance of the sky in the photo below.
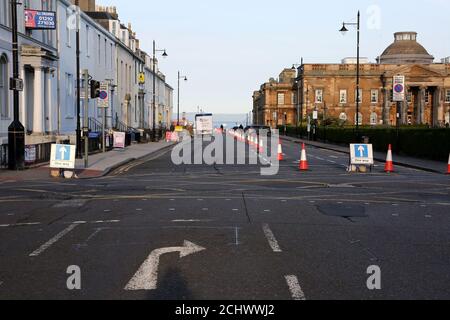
(227, 49)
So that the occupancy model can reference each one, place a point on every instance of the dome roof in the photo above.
(406, 49)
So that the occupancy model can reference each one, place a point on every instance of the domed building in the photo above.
(330, 89)
(405, 50)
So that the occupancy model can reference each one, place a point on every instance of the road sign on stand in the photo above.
(62, 156)
(399, 88)
(361, 154)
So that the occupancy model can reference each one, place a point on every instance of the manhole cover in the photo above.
(342, 210)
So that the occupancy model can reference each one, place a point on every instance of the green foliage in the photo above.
(415, 141)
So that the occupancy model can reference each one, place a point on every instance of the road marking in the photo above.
(106, 210)
(235, 210)
(192, 220)
(20, 224)
(146, 278)
(138, 209)
(271, 239)
(294, 286)
(267, 210)
(53, 240)
(172, 209)
(236, 233)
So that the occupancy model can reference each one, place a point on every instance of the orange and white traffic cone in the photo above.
(389, 167)
(303, 160)
(448, 167)
(280, 151)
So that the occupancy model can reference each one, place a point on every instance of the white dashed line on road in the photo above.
(53, 240)
(271, 239)
(294, 286)
(20, 225)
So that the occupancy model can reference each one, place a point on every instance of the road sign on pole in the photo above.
(399, 88)
(103, 99)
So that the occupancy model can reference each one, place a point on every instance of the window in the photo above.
(87, 41)
(373, 119)
(319, 96)
(374, 96)
(280, 99)
(69, 17)
(427, 96)
(4, 90)
(360, 118)
(4, 12)
(70, 101)
(447, 96)
(343, 96)
(360, 96)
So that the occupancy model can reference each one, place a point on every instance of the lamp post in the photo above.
(78, 71)
(154, 137)
(299, 115)
(178, 104)
(343, 31)
(16, 131)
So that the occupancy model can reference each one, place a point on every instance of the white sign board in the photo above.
(62, 156)
(399, 88)
(315, 115)
(204, 124)
(30, 154)
(361, 154)
(119, 140)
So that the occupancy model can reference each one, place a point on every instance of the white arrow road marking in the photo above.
(53, 240)
(146, 278)
(271, 238)
(294, 287)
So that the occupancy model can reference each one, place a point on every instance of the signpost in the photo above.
(103, 102)
(399, 88)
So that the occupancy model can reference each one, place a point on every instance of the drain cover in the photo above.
(343, 210)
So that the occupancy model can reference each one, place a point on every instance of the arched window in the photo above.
(4, 91)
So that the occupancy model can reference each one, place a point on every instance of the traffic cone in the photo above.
(448, 167)
(303, 160)
(280, 151)
(389, 167)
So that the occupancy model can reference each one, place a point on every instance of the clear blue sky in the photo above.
(228, 48)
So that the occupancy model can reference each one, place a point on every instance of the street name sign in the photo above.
(62, 156)
(361, 154)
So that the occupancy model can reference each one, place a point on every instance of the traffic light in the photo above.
(95, 89)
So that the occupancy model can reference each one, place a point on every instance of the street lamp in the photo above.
(164, 55)
(299, 117)
(178, 105)
(16, 131)
(344, 30)
(78, 70)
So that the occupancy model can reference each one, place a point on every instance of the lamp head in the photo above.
(344, 30)
(165, 55)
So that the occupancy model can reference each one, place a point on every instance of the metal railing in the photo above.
(95, 125)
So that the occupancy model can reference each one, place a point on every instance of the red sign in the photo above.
(44, 20)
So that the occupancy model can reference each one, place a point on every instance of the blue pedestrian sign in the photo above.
(361, 154)
(62, 156)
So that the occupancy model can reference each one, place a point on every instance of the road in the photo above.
(226, 232)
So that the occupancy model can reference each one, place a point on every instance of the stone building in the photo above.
(330, 89)
(274, 104)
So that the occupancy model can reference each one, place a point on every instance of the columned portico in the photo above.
(39, 93)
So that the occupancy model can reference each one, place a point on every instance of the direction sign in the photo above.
(361, 154)
(62, 156)
(399, 88)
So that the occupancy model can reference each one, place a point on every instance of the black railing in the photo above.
(95, 125)
(3, 156)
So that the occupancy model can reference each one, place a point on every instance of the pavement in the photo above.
(154, 230)
(411, 162)
(100, 164)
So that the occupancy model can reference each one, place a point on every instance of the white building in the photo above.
(109, 50)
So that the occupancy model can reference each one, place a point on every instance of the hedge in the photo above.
(422, 142)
